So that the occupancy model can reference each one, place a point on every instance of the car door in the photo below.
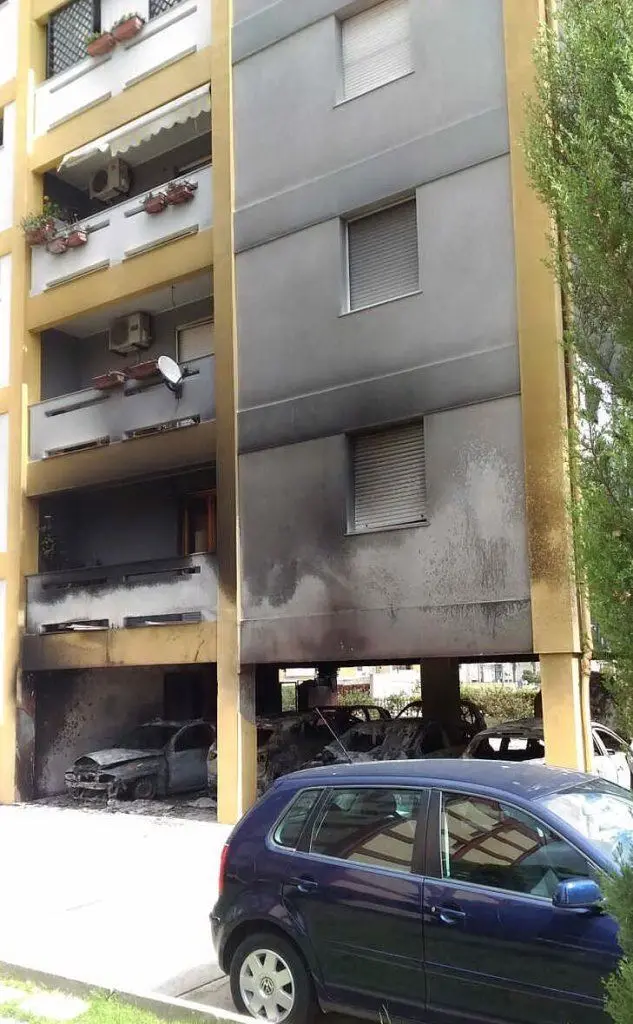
(616, 761)
(187, 758)
(356, 892)
(496, 947)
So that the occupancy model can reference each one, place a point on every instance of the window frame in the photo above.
(195, 323)
(272, 843)
(434, 843)
(364, 214)
(183, 732)
(49, 43)
(341, 96)
(210, 496)
(418, 861)
(351, 529)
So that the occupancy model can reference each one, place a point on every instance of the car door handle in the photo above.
(448, 915)
(304, 884)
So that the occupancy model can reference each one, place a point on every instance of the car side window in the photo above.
(195, 737)
(289, 829)
(613, 743)
(369, 826)
(485, 842)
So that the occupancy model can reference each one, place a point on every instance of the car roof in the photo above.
(526, 780)
(522, 727)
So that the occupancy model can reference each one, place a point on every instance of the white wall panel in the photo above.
(6, 162)
(4, 480)
(5, 319)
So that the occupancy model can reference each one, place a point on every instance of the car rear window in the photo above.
(290, 827)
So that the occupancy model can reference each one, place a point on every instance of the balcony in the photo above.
(152, 593)
(122, 232)
(92, 418)
(165, 39)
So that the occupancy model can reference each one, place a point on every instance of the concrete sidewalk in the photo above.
(116, 900)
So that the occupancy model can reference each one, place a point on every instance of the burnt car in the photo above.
(287, 742)
(155, 759)
(406, 736)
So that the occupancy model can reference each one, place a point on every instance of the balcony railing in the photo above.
(180, 31)
(172, 590)
(122, 232)
(93, 418)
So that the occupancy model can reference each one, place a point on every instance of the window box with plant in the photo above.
(179, 192)
(155, 202)
(140, 371)
(127, 26)
(76, 237)
(100, 43)
(39, 228)
(110, 379)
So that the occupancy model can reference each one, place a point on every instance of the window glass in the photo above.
(488, 843)
(369, 826)
(289, 829)
(196, 737)
(612, 742)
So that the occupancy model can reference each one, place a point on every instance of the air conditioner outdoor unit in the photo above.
(130, 333)
(110, 181)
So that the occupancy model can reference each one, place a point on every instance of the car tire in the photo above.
(283, 963)
(145, 788)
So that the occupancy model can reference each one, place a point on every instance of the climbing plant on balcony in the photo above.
(579, 151)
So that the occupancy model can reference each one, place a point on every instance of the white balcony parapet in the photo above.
(162, 592)
(123, 232)
(93, 418)
(9, 37)
(164, 40)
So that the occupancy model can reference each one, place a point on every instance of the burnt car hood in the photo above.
(113, 757)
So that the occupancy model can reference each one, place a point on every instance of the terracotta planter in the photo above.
(103, 44)
(142, 370)
(58, 245)
(128, 29)
(76, 238)
(42, 233)
(155, 204)
(111, 379)
(183, 192)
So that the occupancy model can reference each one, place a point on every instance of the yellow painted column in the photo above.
(237, 742)
(554, 594)
(24, 387)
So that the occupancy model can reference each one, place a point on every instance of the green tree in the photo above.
(579, 154)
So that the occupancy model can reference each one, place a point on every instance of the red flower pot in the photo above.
(111, 379)
(103, 44)
(58, 245)
(76, 238)
(142, 370)
(42, 233)
(180, 193)
(155, 204)
(128, 29)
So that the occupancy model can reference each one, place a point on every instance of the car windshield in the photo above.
(148, 737)
(600, 811)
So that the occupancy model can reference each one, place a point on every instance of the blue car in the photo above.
(435, 890)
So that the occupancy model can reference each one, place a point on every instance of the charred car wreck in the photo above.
(156, 759)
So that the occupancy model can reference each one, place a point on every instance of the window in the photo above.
(67, 31)
(157, 7)
(196, 737)
(369, 826)
(613, 744)
(487, 843)
(198, 524)
(383, 255)
(195, 340)
(376, 47)
(289, 829)
(388, 471)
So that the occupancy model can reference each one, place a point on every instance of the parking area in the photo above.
(114, 899)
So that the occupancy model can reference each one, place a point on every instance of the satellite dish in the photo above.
(170, 372)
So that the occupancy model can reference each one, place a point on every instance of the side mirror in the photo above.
(577, 894)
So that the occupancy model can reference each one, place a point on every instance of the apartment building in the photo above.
(280, 375)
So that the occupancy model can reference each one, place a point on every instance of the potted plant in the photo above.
(154, 202)
(39, 228)
(127, 26)
(98, 43)
(76, 236)
(178, 192)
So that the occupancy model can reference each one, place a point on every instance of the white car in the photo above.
(522, 740)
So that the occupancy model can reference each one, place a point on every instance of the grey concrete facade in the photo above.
(311, 370)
